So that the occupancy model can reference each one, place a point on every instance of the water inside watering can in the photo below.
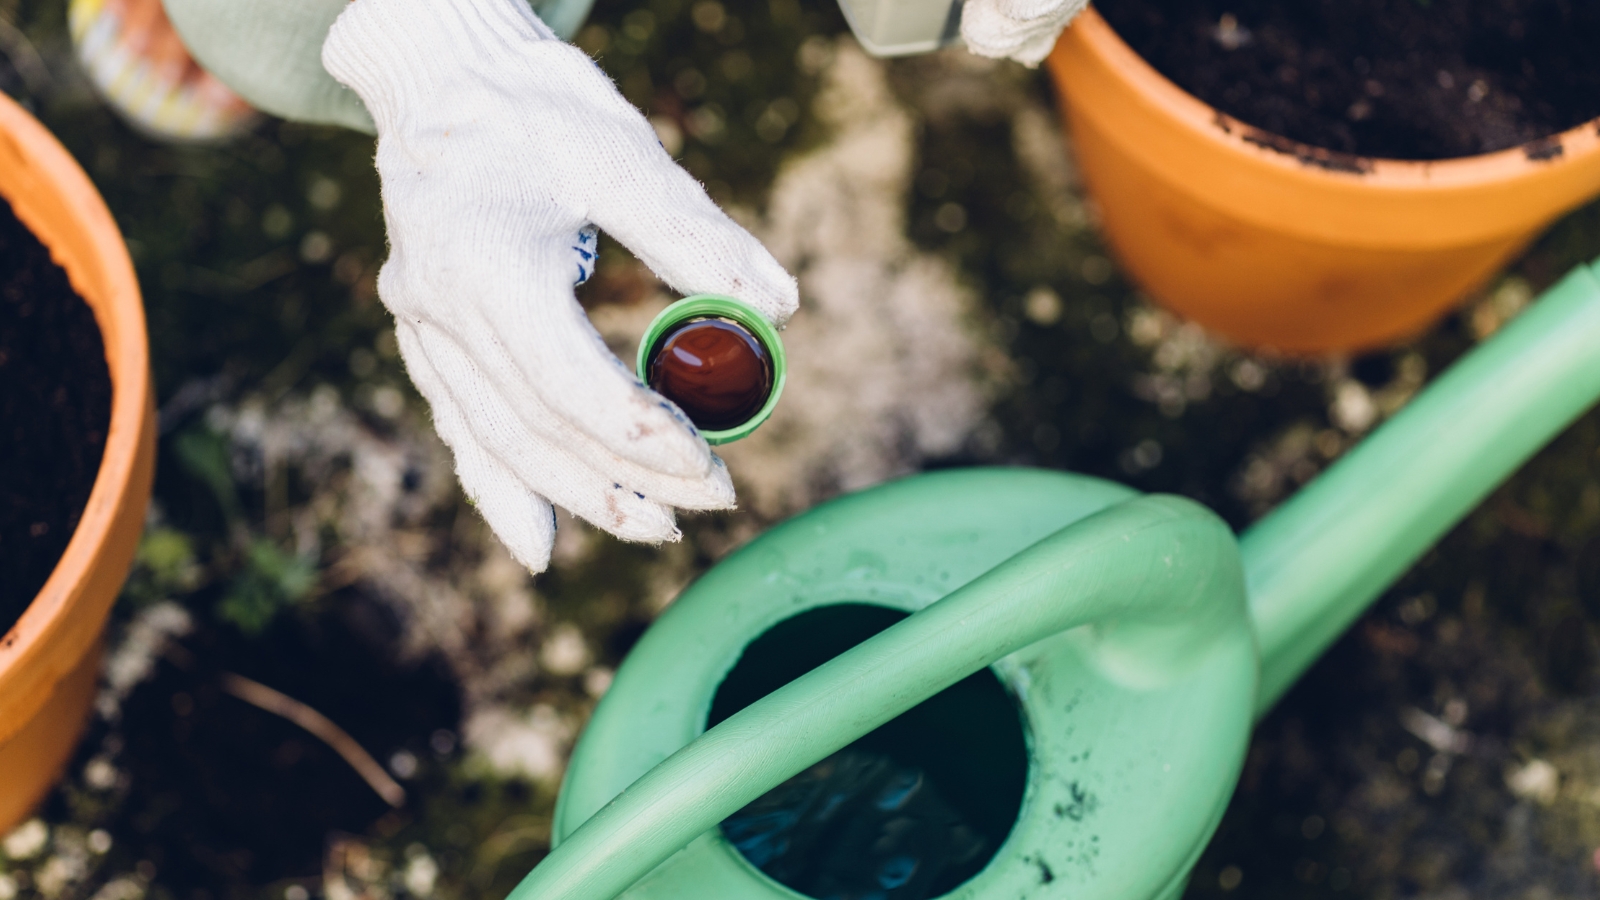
(858, 826)
(908, 812)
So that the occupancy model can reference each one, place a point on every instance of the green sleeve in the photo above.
(270, 52)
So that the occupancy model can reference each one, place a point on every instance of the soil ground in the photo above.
(307, 532)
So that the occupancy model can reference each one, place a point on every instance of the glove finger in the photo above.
(527, 435)
(1023, 30)
(523, 521)
(645, 200)
(520, 518)
(532, 339)
(1023, 11)
(658, 211)
(535, 462)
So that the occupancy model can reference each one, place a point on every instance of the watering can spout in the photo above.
(1316, 562)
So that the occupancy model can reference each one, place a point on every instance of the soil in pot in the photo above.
(1399, 79)
(55, 409)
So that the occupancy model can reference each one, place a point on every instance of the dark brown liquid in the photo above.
(714, 369)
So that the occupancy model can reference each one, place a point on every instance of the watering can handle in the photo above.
(1158, 576)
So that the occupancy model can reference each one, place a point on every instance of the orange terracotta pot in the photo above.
(50, 659)
(1280, 245)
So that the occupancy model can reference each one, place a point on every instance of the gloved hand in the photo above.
(1023, 30)
(499, 148)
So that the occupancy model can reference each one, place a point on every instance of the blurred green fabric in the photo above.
(270, 53)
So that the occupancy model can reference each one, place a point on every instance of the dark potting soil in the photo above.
(1399, 79)
(55, 408)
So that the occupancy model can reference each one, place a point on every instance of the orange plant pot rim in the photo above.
(1313, 192)
(51, 195)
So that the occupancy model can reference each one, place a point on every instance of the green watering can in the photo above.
(1137, 637)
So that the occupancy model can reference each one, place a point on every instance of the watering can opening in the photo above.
(910, 811)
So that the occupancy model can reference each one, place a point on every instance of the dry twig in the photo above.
(257, 694)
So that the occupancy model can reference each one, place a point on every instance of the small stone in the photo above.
(597, 681)
(1042, 306)
(403, 763)
(1537, 780)
(100, 774)
(565, 652)
(26, 840)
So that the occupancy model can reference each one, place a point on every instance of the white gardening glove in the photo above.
(498, 146)
(1023, 30)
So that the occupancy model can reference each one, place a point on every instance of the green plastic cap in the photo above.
(714, 306)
